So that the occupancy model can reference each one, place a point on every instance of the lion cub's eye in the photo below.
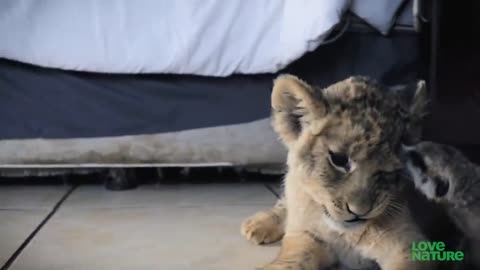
(339, 161)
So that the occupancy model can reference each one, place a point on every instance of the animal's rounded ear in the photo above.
(294, 105)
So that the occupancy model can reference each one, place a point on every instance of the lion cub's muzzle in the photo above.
(359, 213)
(355, 210)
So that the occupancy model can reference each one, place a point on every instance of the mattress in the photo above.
(207, 37)
(200, 37)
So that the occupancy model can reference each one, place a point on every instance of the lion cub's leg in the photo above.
(266, 226)
(302, 251)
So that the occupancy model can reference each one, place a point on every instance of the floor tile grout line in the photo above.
(32, 235)
(221, 205)
(22, 209)
(271, 190)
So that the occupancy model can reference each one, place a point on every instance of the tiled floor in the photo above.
(153, 227)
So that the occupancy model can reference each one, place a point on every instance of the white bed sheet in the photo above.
(202, 37)
(380, 14)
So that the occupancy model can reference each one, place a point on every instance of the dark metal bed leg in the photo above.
(120, 179)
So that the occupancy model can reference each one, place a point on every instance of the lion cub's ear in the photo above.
(418, 107)
(294, 106)
(414, 99)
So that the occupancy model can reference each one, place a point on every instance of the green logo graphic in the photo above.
(434, 251)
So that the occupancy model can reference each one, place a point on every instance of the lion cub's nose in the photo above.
(359, 210)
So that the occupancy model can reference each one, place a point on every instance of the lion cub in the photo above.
(443, 174)
(341, 199)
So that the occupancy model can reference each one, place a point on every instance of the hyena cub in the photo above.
(443, 174)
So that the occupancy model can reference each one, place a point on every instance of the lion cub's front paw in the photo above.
(263, 228)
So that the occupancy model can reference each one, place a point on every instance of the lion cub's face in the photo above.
(342, 143)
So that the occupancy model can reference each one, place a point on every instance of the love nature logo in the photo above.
(434, 251)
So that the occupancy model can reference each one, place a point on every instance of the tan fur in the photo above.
(357, 118)
(266, 226)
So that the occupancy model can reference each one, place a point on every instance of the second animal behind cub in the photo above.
(444, 175)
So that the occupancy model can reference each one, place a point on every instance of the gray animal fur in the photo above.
(443, 174)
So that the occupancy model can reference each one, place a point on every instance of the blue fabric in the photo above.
(47, 103)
